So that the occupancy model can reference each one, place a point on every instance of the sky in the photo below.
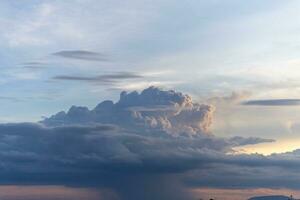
(210, 108)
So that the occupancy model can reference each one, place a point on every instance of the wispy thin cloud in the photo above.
(272, 102)
(8, 98)
(100, 78)
(34, 65)
(81, 55)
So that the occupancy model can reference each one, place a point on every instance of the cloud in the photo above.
(108, 78)
(240, 141)
(35, 65)
(81, 55)
(248, 171)
(8, 98)
(177, 113)
(233, 98)
(29, 32)
(272, 102)
(140, 85)
(106, 156)
(157, 140)
(102, 155)
(273, 197)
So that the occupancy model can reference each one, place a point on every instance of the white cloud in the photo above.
(27, 32)
(180, 116)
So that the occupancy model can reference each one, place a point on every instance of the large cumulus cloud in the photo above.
(151, 110)
(149, 145)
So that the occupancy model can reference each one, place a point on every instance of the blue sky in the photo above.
(239, 59)
(235, 43)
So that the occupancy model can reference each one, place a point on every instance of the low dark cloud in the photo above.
(272, 102)
(111, 157)
(81, 55)
(107, 78)
(150, 145)
(248, 141)
(273, 197)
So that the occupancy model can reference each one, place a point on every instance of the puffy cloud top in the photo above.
(152, 110)
(153, 96)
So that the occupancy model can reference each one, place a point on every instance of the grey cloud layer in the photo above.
(92, 149)
(81, 55)
(109, 156)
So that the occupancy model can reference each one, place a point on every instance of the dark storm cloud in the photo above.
(248, 171)
(241, 177)
(81, 55)
(273, 102)
(107, 78)
(96, 148)
(109, 156)
(155, 150)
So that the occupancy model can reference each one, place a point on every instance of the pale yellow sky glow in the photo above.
(279, 123)
(280, 146)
